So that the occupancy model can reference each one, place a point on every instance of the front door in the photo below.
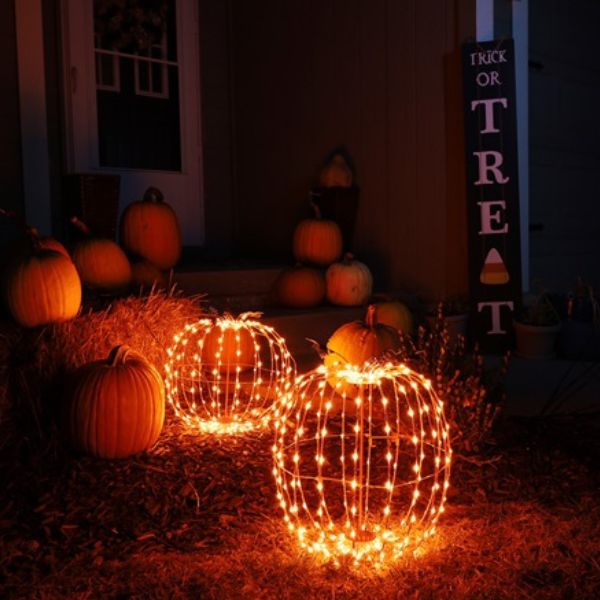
(133, 100)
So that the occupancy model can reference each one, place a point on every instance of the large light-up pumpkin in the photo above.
(229, 375)
(362, 476)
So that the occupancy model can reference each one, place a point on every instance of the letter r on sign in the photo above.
(490, 166)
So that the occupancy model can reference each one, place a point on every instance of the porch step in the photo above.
(234, 289)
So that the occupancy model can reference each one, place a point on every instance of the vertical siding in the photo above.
(11, 190)
(381, 77)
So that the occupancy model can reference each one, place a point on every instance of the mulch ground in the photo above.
(196, 518)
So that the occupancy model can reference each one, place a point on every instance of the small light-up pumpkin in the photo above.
(150, 230)
(336, 173)
(395, 315)
(101, 263)
(365, 482)
(228, 349)
(42, 286)
(116, 407)
(146, 275)
(228, 375)
(349, 283)
(317, 241)
(300, 287)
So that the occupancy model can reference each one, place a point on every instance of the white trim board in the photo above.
(32, 104)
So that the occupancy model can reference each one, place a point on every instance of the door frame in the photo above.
(80, 110)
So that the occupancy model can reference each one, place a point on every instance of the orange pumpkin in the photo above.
(395, 315)
(146, 275)
(317, 241)
(42, 287)
(349, 283)
(228, 349)
(116, 407)
(150, 230)
(336, 173)
(300, 287)
(101, 263)
(360, 341)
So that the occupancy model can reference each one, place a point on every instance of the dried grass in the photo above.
(197, 517)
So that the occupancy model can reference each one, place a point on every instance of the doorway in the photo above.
(132, 100)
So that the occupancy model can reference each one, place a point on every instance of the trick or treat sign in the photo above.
(492, 191)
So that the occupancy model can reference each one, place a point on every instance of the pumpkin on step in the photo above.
(150, 230)
(300, 287)
(42, 287)
(395, 315)
(349, 283)
(317, 241)
(146, 275)
(101, 263)
(116, 406)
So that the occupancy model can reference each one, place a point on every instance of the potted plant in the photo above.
(579, 338)
(454, 309)
(537, 328)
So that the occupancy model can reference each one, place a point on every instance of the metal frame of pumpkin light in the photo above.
(215, 397)
(316, 465)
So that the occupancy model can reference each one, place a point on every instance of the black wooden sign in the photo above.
(492, 191)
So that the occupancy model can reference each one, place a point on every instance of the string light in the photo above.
(229, 375)
(362, 463)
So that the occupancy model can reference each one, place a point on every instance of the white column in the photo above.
(32, 102)
(520, 13)
(485, 20)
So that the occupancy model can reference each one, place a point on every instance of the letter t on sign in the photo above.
(488, 103)
(495, 309)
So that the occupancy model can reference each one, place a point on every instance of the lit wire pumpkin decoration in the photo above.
(362, 472)
(229, 375)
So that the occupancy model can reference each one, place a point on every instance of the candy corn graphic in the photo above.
(494, 271)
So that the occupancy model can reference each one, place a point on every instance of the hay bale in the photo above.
(35, 363)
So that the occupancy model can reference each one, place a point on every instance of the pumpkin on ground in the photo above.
(150, 230)
(42, 286)
(116, 406)
(395, 315)
(349, 283)
(336, 173)
(146, 275)
(101, 263)
(317, 241)
(300, 287)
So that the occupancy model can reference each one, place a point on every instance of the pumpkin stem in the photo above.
(79, 224)
(118, 355)
(348, 257)
(370, 316)
(34, 237)
(316, 209)
(153, 194)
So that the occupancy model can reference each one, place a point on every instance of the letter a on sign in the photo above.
(492, 192)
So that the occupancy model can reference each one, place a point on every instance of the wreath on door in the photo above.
(130, 25)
